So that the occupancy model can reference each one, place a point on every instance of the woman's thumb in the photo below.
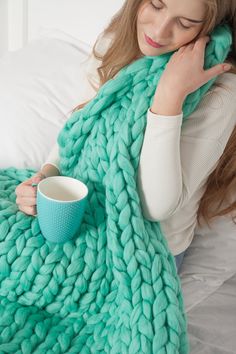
(37, 178)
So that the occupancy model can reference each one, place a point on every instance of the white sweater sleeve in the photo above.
(53, 157)
(160, 173)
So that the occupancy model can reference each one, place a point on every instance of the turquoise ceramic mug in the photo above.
(61, 203)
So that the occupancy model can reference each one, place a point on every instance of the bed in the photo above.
(41, 82)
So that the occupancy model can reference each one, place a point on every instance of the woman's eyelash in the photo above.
(184, 26)
(155, 7)
(159, 8)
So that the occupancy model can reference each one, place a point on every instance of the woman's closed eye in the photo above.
(155, 7)
(183, 26)
(179, 22)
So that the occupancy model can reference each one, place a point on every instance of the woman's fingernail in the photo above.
(227, 67)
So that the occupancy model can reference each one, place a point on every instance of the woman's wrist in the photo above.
(167, 104)
(172, 110)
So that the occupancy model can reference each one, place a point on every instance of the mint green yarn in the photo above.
(114, 289)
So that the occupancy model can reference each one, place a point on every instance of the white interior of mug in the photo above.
(63, 189)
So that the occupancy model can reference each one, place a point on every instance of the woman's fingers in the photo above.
(185, 72)
(30, 210)
(201, 43)
(217, 70)
(198, 45)
(26, 194)
(25, 190)
(27, 201)
(37, 178)
(181, 49)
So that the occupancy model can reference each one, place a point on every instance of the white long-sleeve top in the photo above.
(175, 162)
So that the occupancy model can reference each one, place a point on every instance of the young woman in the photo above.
(194, 164)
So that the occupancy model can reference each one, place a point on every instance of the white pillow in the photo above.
(40, 85)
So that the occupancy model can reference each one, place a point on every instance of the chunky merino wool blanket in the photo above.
(114, 288)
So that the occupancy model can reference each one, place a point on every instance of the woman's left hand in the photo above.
(184, 72)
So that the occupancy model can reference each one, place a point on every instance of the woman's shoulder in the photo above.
(223, 90)
(216, 112)
(226, 81)
(222, 94)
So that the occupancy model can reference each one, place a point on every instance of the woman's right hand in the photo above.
(175, 84)
(26, 194)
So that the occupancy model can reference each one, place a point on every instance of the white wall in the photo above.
(13, 24)
(3, 27)
(23, 20)
(81, 18)
(17, 23)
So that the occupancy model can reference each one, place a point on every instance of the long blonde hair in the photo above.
(124, 49)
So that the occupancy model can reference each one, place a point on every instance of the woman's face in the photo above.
(169, 23)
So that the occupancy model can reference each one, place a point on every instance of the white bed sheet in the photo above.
(212, 323)
(209, 288)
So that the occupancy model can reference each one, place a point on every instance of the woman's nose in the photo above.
(163, 30)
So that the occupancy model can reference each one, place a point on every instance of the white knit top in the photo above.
(176, 161)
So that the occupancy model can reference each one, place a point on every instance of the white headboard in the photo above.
(84, 19)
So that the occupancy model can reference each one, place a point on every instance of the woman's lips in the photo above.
(153, 44)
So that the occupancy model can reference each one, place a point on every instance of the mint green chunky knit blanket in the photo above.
(114, 288)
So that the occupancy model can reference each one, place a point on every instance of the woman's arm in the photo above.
(176, 160)
(159, 172)
(167, 105)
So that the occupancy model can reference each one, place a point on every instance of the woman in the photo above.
(187, 162)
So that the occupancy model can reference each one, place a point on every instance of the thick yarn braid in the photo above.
(114, 289)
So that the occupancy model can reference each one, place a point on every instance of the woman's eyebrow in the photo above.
(189, 19)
